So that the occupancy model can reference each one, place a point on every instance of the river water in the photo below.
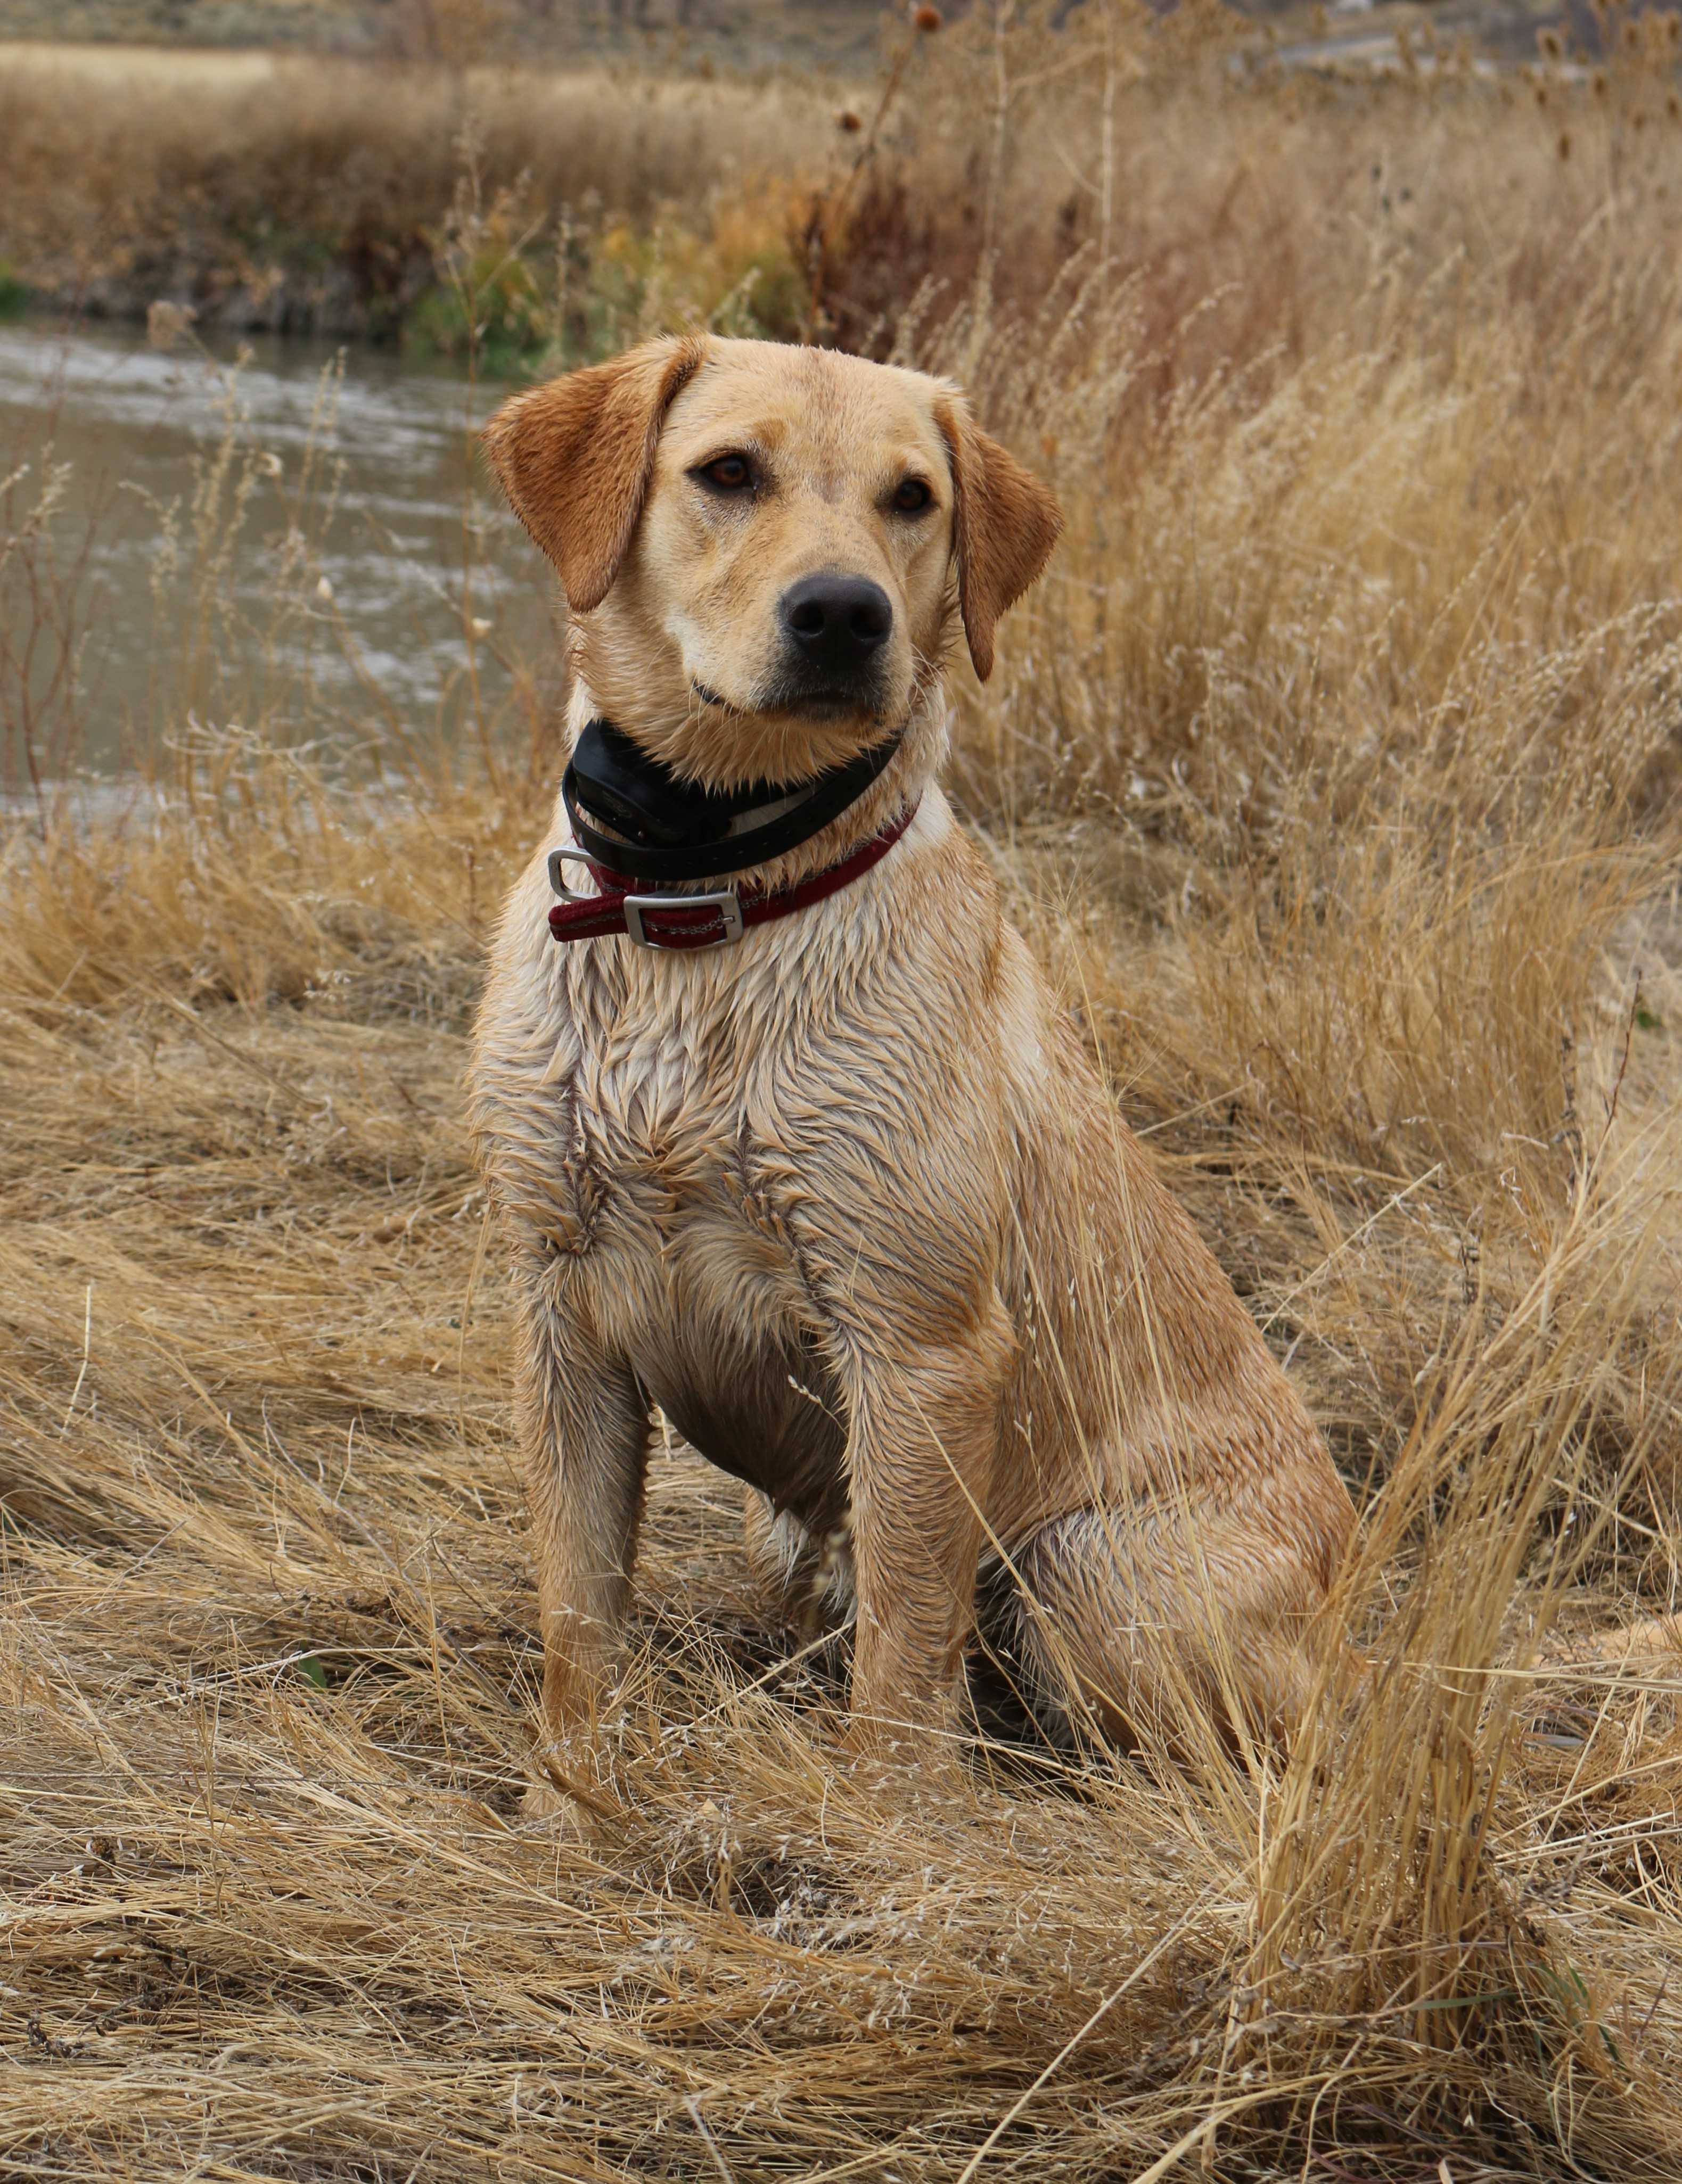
(296, 539)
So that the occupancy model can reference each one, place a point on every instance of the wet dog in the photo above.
(789, 1135)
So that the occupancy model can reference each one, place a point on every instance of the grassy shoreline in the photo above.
(584, 209)
(286, 194)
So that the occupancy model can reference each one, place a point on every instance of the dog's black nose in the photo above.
(836, 625)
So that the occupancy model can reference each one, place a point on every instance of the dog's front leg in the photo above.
(584, 1431)
(923, 1453)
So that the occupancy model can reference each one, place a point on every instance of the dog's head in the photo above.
(757, 544)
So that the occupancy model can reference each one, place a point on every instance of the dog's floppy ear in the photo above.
(575, 457)
(1004, 524)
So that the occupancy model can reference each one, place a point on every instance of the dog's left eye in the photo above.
(729, 473)
(911, 495)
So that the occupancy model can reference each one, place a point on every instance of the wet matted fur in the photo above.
(847, 1200)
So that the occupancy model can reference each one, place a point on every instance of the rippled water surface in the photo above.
(286, 535)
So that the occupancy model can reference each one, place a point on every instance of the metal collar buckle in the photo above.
(723, 901)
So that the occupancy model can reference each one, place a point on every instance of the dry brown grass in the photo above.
(1334, 772)
(275, 191)
(1249, 209)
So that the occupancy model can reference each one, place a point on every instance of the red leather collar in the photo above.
(700, 921)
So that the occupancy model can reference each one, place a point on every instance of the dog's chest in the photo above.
(678, 1076)
(690, 1266)
(670, 1125)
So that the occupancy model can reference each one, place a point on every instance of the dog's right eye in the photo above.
(728, 473)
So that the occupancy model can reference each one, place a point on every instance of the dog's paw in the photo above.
(910, 1745)
(560, 1813)
(551, 1800)
(543, 1801)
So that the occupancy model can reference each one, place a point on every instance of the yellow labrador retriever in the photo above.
(790, 1136)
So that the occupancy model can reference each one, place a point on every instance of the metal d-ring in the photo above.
(555, 860)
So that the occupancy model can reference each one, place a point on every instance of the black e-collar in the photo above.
(631, 814)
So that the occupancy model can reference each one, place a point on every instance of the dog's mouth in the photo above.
(824, 705)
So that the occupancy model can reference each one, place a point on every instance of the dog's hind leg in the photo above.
(584, 1433)
(1138, 1632)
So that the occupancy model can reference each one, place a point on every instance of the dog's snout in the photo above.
(836, 624)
